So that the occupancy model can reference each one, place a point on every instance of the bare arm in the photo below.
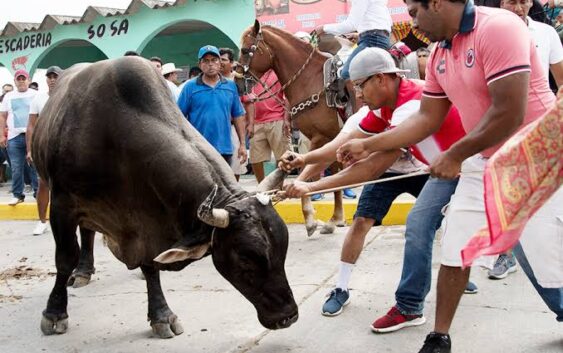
(240, 127)
(367, 169)
(420, 125)
(506, 113)
(557, 71)
(3, 117)
(29, 133)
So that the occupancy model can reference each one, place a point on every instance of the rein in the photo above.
(249, 75)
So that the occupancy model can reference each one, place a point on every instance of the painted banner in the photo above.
(305, 15)
(519, 178)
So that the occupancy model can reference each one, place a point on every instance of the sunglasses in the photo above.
(360, 86)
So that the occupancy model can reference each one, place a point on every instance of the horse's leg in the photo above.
(311, 223)
(163, 321)
(63, 226)
(337, 219)
(82, 274)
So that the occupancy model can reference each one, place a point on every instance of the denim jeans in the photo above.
(17, 151)
(366, 40)
(553, 297)
(423, 221)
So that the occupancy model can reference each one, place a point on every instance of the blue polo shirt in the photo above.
(210, 109)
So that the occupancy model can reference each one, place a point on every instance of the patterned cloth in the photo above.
(519, 179)
(402, 29)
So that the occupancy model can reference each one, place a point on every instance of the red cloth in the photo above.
(519, 178)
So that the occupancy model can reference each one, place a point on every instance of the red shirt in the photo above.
(408, 102)
(270, 109)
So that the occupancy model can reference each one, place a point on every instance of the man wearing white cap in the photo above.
(392, 100)
(170, 73)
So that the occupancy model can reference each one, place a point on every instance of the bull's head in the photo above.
(249, 247)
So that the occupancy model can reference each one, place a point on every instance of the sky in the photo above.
(35, 10)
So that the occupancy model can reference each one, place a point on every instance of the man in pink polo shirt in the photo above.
(496, 82)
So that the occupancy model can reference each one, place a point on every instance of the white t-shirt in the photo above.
(174, 90)
(365, 15)
(17, 105)
(547, 42)
(404, 165)
(38, 103)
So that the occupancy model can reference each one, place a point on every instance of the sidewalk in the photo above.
(289, 210)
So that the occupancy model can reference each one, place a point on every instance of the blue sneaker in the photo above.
(348, 194)
(470, 288)
(317, 197)
(336, 301)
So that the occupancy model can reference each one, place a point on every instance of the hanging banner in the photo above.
(305, 15)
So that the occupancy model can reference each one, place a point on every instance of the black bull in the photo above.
(121, 159)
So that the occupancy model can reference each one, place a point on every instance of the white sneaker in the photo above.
(14, 201)
(40, 228)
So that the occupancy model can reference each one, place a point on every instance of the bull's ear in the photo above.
(256, 26)
(195, 252)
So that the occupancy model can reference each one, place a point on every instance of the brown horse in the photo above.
(299, 68)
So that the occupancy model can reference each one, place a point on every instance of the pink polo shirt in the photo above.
(492, 44)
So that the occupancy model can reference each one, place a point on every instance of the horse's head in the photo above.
(255, 57)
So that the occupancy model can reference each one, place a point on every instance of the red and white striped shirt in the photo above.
(408, 102)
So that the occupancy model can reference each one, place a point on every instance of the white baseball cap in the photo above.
(169, 68)
(372, 61)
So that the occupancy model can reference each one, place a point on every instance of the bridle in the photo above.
(250, 78)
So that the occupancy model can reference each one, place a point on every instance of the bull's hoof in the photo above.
(328, 228)
(78, 279)
(168, 329)
(52, 325)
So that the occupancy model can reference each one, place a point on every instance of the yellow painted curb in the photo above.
(289, 210)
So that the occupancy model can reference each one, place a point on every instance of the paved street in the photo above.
(109, 315)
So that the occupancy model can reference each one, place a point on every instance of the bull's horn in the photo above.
(272, 181)
(216, 217)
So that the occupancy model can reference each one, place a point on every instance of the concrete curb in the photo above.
(289, 210)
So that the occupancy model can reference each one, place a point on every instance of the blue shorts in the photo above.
(376, 199)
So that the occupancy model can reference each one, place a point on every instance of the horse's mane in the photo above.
(287, 36)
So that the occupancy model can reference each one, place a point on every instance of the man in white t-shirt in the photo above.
(37, 105)
(548, 45)
(371, 19)
(14, 113)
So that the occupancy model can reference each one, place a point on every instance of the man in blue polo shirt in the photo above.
(209, 102)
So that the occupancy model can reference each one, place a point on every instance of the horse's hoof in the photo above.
(341, 224)
(311, 228)
(51, 326)
(77, 280)
(328, 228)
(168, 329)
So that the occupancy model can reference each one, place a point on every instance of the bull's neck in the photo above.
(307, 83)
(228, 192)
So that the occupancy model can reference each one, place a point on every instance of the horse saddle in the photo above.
(337, 96)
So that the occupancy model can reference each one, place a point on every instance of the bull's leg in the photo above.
(83, 273)
(164, 322)
(63, 225)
